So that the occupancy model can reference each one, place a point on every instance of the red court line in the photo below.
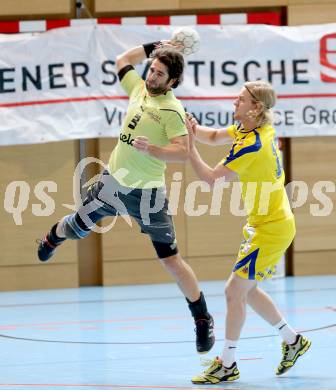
(307, 96)
(111, 386)
(81, 322)
(90, 98)
(291, 96)
(58, 101)
(145, 318)
(255, 358)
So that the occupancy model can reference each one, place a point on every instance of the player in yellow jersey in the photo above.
(153, 133)
(254, 158)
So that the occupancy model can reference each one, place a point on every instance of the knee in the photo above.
(229, 293)
(233, 294)
(253, 293)
(72, 229)
(173, 263)
(165, 250)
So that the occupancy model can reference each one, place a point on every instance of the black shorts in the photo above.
(148, 207)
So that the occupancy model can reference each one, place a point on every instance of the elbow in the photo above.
(214, 180)
(208, 178)
(211, 181)
(213, 137)
(185, 154)
(119, 61)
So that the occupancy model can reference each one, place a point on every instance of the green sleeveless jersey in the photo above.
(158, 118)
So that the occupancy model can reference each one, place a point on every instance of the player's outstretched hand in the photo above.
(169, 43)
(191, 124)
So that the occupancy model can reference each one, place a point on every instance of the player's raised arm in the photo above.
(138, 54)
(135, 55)
(184, 39)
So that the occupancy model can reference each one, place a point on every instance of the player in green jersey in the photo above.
(153, 133)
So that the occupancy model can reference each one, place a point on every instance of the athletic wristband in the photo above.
(150, 47)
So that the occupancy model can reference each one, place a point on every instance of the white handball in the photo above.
(188, 38)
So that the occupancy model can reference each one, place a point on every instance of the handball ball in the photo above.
(188, 38)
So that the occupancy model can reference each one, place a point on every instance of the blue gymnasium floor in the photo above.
(141, 337)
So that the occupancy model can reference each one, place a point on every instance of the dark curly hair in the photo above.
(174, 62)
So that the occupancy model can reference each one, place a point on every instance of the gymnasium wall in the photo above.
(124, 255)
(313, 160)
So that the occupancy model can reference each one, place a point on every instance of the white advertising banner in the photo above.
(62, 84)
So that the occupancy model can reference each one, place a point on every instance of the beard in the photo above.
(157, 90)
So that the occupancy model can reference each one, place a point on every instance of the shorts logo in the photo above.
(328, 58)
(173, 246)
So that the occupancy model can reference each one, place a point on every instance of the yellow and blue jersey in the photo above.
(256, 159)
(270, 227)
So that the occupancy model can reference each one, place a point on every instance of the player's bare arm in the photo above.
(207, 135)
(207, 173)
(133, 56)
(176, 151)
(138, 54)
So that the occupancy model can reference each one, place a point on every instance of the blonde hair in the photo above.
(262, 92)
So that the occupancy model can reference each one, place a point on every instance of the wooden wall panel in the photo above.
(300, 14)
(213, 235)
(307, 2)
(34, 277)
(313, 160)
(144, 271)
(122, 6)
(135, 271)
(222, 4)
(315, 263)
(115, 6)
(212, 267)
(89, 250)
(34, 8)
(32, 164)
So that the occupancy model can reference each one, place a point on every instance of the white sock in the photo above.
(229, 352)
(287, 333)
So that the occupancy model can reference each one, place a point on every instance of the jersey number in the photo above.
(134, 121)
(277, 159)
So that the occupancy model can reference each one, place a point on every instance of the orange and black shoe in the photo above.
(205, 337)
(47, 246)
